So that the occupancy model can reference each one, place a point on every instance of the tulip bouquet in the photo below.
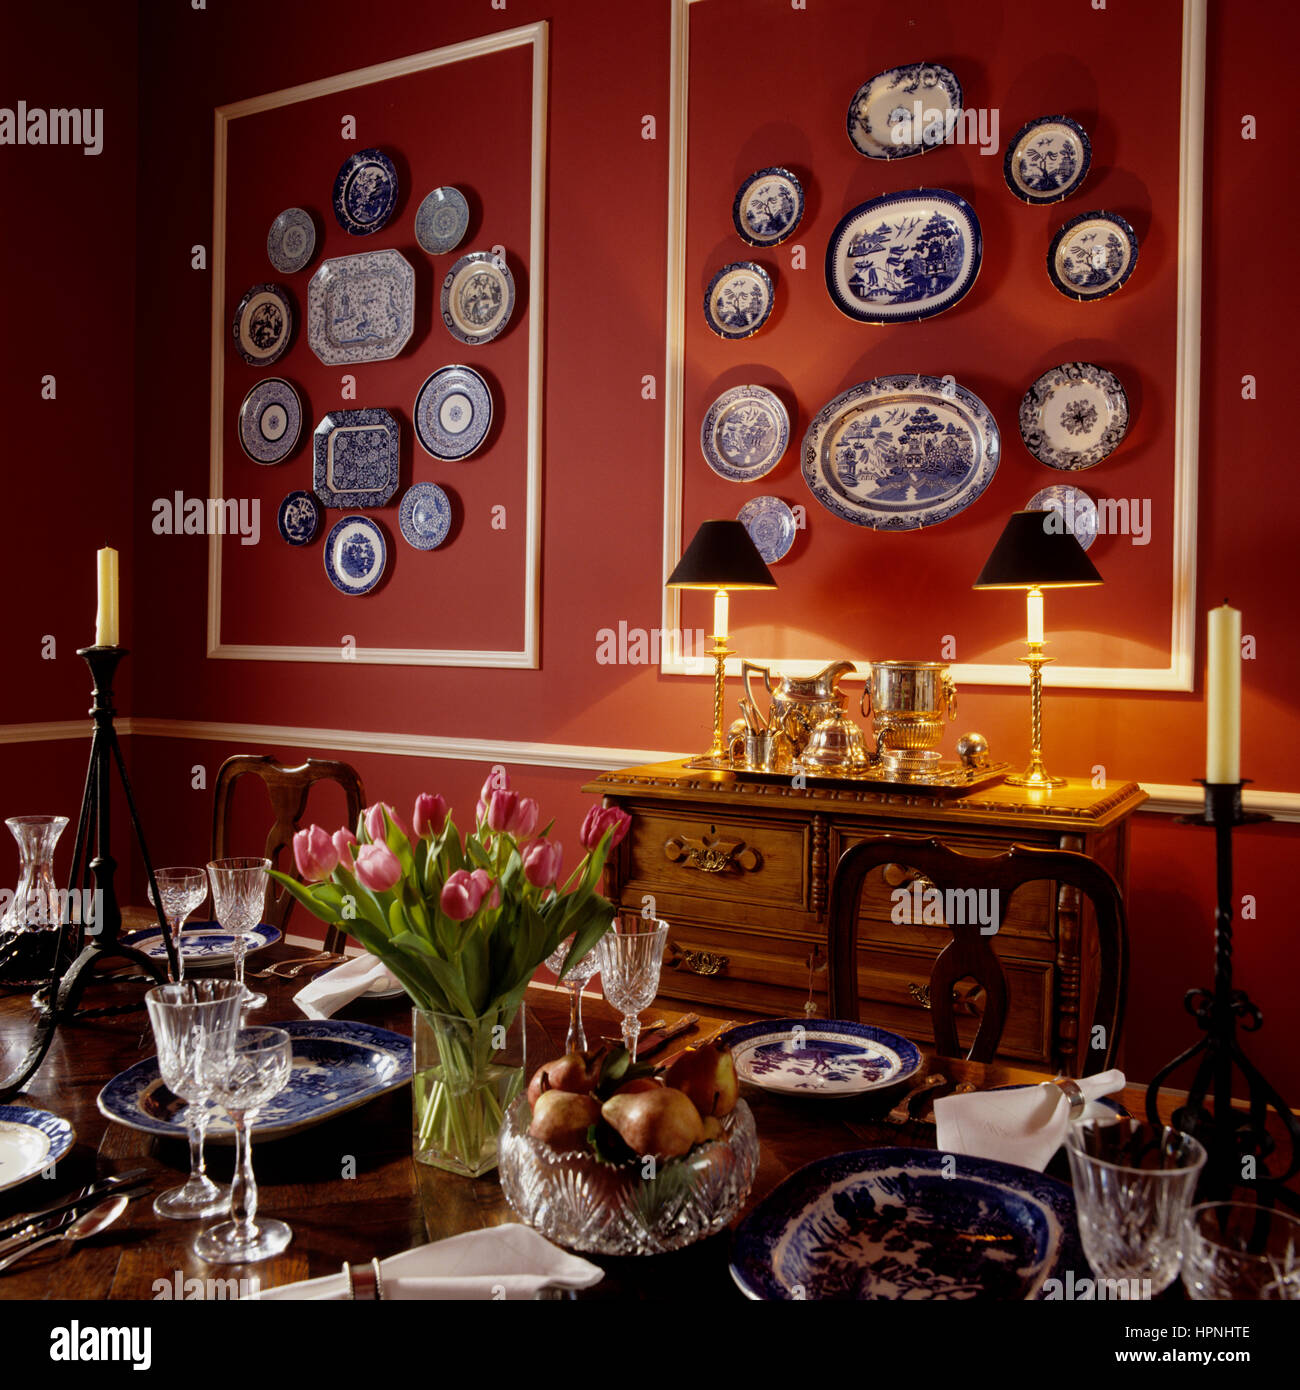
(463, 925)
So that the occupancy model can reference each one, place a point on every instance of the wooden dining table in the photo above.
(348, 1186)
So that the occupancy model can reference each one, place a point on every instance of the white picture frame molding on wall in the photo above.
(1178, 674)
(526, 655)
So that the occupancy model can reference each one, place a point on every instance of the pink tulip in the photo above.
(345, 842)
(488, 891)
(461, 895)
(542, 861)
(375, 826)
(600, 819)
(526, 817)
(502, 807)
(314, 854)
(498, 780)
(430, 815)
(377, 868)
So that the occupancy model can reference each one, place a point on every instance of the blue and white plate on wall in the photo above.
(203, 943)
(738, 300)
(901, 452)
(355, 458)
(30, 1141)
(820, 1057)
(1074, 416)
(768, 207)
(1078, 510)
(361, 308)
(1047, 160)
(338, 1064)
(903, 257)
(478, 297)
(355, 555)
(291, 242)
(270, 421)
(1092, 255)
(453, 413)
(904, 111)
(263, 324)
(299, 518)
(441, 220)
(365, 192)
(771, 527)
(909, 1223)
(424, 516)
(744, 434)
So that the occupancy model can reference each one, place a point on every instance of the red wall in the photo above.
(603, 443)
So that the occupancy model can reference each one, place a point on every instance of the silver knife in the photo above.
(24, 1225)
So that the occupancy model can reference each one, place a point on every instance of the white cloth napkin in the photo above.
(510, 1261)
(1021, 1124)
(327, 993)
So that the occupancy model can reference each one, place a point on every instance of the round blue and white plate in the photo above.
(744, 433)
(1074, 416)
(453, 413)
(338, 1064)
(291, 242)
(263, 324)
(909, 1223)
(771, 527)
(478, 297)
(298, 519)
(365, 192)
(1092, 255)
(768, 207)
(203, 944)
(738, 300)
(820, 1057)
(270, 421)
(904, 111)
(355, 555)
(441, 220)
(1078, 510)
(1047, 160)
(424, 516)
(30, 1140)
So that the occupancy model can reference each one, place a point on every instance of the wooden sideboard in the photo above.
(741, 870)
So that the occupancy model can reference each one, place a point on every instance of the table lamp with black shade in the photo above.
(721, 557)
(1035, 552)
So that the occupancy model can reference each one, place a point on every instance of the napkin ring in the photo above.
(365, 1282)
(1074, 1094)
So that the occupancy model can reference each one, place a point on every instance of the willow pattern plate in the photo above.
(1047, 160)
(884, 122)
(298, 519)
(744, 433)
(355, 555)
(202, 943)
(365, 192)
(263, 324)
(1073, 416)
(768, 207)
(478, 297)
(738, 300)
(1092, 255)
(30, 1141)
(820, 1057)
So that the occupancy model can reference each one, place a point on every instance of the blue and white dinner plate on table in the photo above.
(263, 324)
(356, 458)
(744, 433)
(768, 207)
(738, 300)
(820, 1057)
(291, 242)
(270, 421)
(908, 1223)
(1047, 160)
(1078, 510)
(884, 121)
(1074, 416)
(202, 943)
(424, 516)
(453, 413)
(365, 192)
(30, 1140)
(771, 527)
(298, 519)
(1092, 255)
(355, 555)
(441, 220)
(338, 1064)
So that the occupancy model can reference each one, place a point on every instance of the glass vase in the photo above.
(29, 928)
(467, 1072)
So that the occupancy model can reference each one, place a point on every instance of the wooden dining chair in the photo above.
(288, 788)
(970, 953)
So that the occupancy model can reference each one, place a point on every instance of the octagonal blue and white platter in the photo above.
(30, 1141)
(356, 458)
(820, 1057)
(361, 308)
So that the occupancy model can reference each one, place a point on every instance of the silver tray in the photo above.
(948, 779)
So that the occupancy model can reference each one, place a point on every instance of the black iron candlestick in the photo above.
(83, 946)
(1237, 1141)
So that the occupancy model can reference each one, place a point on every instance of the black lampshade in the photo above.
(721, 556)
(1035, 552)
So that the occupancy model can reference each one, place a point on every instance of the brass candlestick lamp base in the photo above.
(1036, 775)
(717, 756)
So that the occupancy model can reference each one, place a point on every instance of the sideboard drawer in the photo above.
(720, 970)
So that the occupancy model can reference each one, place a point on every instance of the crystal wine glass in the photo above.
(630, 957)
(238, 898)
(1238, 1250)
(182, 891)
(578, 974)
(188, 1020)
(1133, 1185)
(244, 1077)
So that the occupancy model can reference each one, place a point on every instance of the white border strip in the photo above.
(1178, 674)
(536, 36)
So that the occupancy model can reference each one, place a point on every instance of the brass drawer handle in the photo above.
(896, 875)
(711, 854)
(701, 962)
(921, 993)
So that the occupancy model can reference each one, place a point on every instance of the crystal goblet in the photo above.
(630, 957)
(238, 899)
(573, 980)
(183, 891)
(1238, 1250)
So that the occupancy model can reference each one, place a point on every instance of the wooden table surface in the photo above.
(349, 1187)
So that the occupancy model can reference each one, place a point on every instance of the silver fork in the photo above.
(291, 969)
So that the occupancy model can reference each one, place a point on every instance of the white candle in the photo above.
(1035, 606)
(720, 615)
(106, 625)
(1223, 696)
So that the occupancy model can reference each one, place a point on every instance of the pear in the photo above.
(562, 1119)
(576, 1072)
(662, 1122)
(638, 1083)
(713, 1127)
(707, 1074)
